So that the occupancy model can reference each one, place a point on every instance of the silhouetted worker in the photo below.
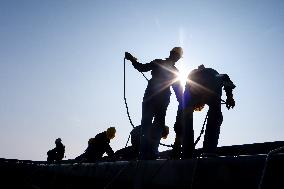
(132, 152)
(98, 146)
(157, 97)
(57, 153)
(204, 86)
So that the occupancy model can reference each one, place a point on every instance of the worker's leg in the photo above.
(146, 125)
(187, 123)
(158, 125)
(214, 121)
(178, 127)
(188, 133)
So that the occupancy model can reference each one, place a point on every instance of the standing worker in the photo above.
(156, 98)
(204, 86)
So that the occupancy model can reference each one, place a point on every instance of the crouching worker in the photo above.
(57, 153)
(132, 152)
(98, 146)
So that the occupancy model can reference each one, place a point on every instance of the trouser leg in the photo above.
(176, 151)
(146, 125)
(158, 126)
(188, 134)
(214, 121)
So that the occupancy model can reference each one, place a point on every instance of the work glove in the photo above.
(129, 57)
(230, 103)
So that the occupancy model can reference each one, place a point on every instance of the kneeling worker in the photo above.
(132, 152)
(98, 146)
(57, 153)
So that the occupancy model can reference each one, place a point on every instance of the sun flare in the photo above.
(182, 75)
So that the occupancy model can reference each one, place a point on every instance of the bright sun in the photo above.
(182, 75)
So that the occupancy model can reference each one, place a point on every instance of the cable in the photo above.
(203, 126)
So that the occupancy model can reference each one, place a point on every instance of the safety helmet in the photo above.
(58, 140)
(91, 141)
(178, 50)
(201, 67)
(111, 132)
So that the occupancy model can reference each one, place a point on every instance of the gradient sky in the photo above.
(61, 67)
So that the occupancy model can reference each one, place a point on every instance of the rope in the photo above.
(167, 145)
(127, 140)
(144, 76)
(125, 102)
(202, 130)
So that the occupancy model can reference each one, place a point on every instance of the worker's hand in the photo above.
(129, 56)
(230, 103)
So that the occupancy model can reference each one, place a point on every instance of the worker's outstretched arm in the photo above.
(138, 66)
(228, 87)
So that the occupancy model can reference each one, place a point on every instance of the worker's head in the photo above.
(176, 53)
(165, 132)
(58, 140)
(91, 141)
(111, 132)
(200, 67)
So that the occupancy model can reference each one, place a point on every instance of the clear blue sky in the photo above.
(61, 67)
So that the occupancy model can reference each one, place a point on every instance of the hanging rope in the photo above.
(127, 140)
(203, 126)
(125, 102)
(202, 130)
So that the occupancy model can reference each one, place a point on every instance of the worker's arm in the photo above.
(228, 87)
(109, 150)
(138, 66)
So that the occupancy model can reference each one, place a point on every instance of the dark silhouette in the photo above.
(157, 97)
(57, 153)
(204, 86)
(98, 146)
(132, 152)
